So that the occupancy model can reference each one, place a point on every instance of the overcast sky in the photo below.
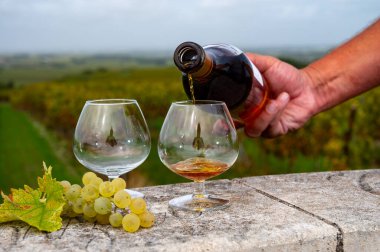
(127, 25)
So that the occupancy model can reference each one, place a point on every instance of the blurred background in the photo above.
(55, 55)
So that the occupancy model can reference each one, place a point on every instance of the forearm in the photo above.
(347, 71)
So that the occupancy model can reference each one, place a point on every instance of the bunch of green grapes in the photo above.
(106, 203)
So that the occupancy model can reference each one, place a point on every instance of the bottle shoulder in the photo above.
(223, 49)
(224, 54)
(228, 57)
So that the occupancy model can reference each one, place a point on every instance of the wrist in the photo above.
(314, 84)
(324, 83)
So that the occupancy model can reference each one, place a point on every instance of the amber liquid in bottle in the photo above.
(199, 169)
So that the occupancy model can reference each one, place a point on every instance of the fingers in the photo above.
(238, 123)
(271, 113)
(221, 127)
(263, 63)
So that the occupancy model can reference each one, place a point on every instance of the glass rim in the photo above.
(112, 101)
(198, 102)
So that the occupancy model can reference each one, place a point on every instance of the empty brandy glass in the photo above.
(198, 141)
(111, 137)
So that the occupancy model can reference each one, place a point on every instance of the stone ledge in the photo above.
(332, 211)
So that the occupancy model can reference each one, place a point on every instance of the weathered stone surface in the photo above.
(298, 212)
(350, 201)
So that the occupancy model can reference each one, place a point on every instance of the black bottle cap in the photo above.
(189, 57)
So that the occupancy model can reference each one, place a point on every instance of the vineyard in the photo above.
(346, 137)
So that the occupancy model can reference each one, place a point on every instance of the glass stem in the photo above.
(110, 178)
(199, 191)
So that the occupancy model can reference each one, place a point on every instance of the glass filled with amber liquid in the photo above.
(198, 141)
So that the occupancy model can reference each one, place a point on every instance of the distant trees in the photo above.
(7, 84)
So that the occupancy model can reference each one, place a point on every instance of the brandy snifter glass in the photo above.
(111, 137)
(198, 141)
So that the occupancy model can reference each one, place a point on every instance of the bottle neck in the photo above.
(191, 59)
(204, 71)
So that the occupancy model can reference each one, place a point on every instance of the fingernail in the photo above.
(271, 108)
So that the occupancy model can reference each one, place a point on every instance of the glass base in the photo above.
(135, 194)
(198, 203)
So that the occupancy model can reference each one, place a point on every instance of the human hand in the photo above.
(293, 100)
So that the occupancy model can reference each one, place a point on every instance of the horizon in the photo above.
(166, 52)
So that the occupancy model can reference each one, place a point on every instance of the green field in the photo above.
(23, 149)
(18, 70)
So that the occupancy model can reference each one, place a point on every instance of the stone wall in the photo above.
(333, 211)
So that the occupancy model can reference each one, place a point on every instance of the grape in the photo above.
(66, 208)
(119, 184)
(90, 192)
(115, 219)
(88, 210)
(103, 205)
(131, 222)
(106, 189)
(122, 199)
(66, 185)
(146, 219)
(89, 219)
(103, 219)
(97, 198)
(71, 213)
(78, 205)
(96, 181)
(137, 205)
(88, 177)
(74, 192)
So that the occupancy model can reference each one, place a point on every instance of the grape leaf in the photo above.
(40, 208)
(6, 216)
